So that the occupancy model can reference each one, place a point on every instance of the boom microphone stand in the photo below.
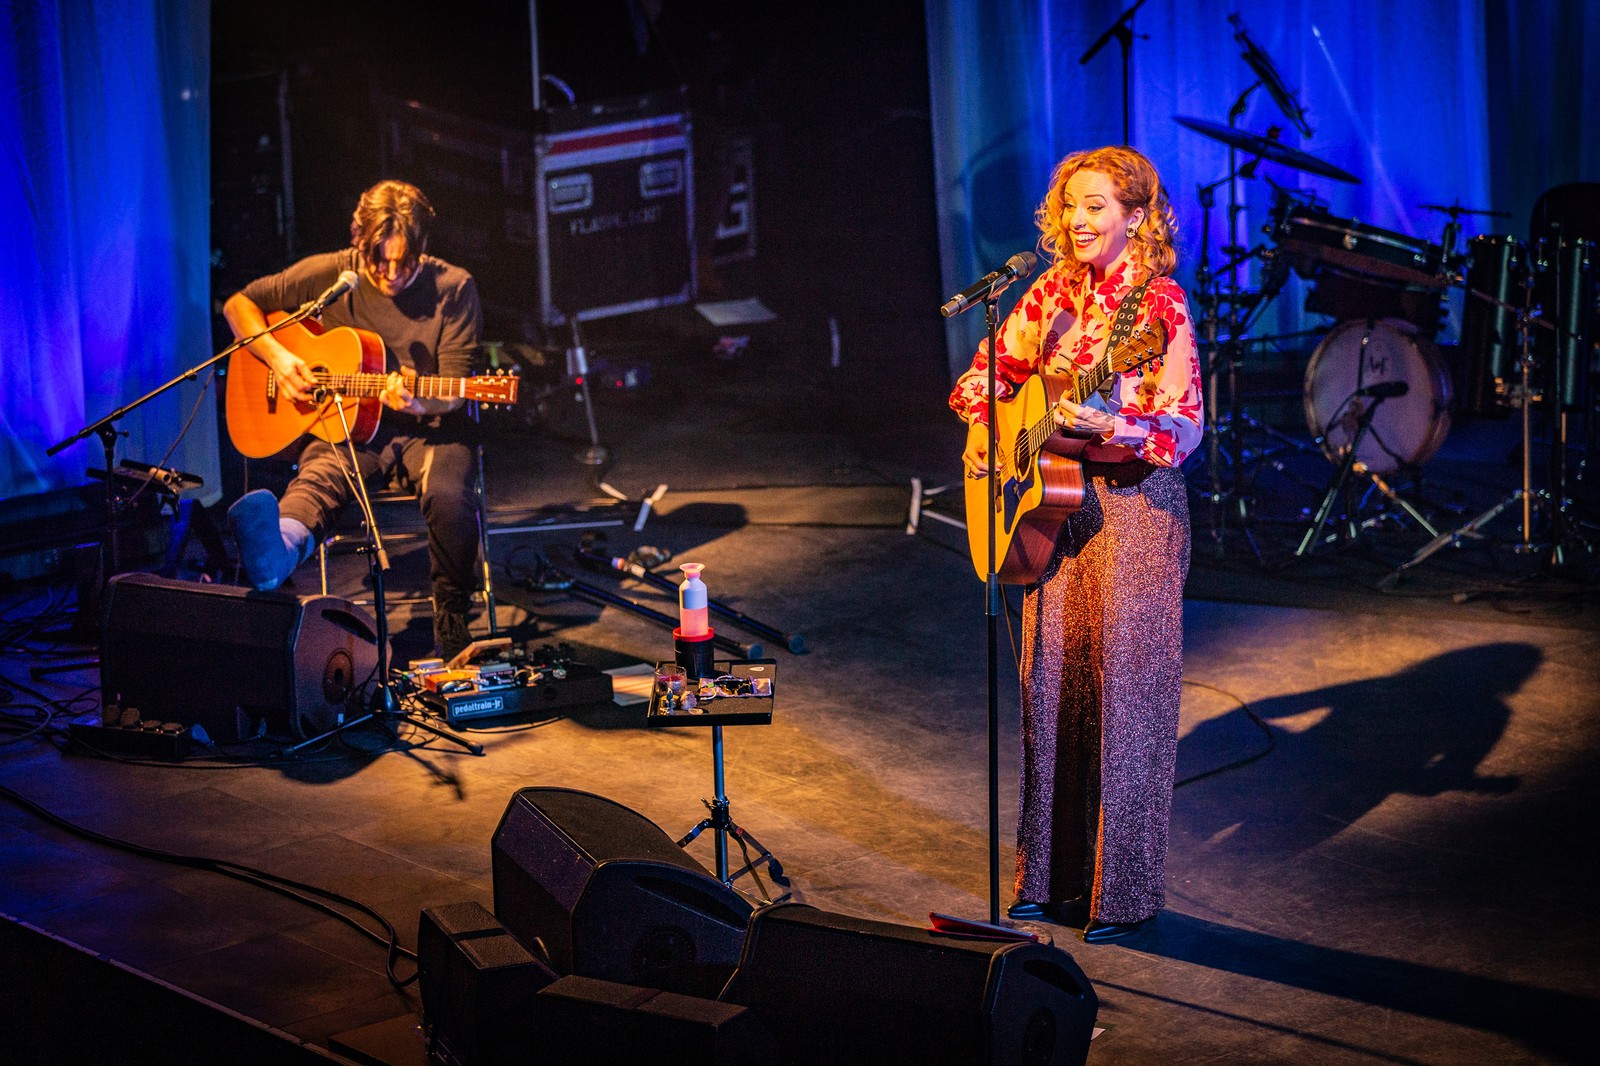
(105, 429)
(1341, 477)
(384, 704)
(1122, 30)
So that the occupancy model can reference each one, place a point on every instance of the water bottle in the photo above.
(693, 614)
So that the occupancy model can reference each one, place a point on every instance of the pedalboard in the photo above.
(491, 679)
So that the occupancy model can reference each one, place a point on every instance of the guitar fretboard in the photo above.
(1078, 392)
(361, 386)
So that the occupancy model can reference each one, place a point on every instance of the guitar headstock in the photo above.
(492, 388)
(1142, 345)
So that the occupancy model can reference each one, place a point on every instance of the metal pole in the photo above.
(720, 805)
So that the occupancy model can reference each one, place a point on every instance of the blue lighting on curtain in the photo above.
(104, 200)
(1412, 98)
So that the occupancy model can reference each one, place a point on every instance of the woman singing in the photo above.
(1102, 641)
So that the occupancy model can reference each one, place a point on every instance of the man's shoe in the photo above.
(1101, 932)
(266, 558)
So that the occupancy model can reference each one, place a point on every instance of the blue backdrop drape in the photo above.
(105, 207)
(1428, 101)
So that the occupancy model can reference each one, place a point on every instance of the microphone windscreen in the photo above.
(1022, 263)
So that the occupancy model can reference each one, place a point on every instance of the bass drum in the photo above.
(1406, 430)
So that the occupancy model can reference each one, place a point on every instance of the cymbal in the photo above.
(1266, 148)
(1456, 209)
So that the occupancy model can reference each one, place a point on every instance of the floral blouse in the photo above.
(1058, 328)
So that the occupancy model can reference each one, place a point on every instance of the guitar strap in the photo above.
(1121, 327)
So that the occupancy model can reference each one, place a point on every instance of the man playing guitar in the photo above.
(426, 312)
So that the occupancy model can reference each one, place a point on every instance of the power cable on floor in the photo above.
(298, 891)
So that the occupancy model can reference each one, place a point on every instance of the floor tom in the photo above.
(1497, 271)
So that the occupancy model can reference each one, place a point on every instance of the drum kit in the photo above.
(1378, 394)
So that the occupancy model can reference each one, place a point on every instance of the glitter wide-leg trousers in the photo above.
(1102, 673)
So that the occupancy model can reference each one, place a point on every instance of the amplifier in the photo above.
(582, 685)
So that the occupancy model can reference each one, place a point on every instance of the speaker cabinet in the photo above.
(832, 988)
(233, 661)
(583, 1021)
(478, 985)
(611, 896)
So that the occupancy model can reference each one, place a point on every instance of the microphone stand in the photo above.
(992, 605)
(1123, 32)
(105, 429)
(1341, 476)
(993, 599)
(385, 704)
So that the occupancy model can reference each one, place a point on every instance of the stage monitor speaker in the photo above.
(832, 988)
(236, 662)
(611, 896)
(478, 984)
(583, 1021)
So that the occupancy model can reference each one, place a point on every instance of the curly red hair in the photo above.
(1138, 186)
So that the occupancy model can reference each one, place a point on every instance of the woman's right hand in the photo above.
(975, 456)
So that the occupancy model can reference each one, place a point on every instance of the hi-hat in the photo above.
(1266, 148)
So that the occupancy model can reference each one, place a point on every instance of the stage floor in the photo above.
(1399, 877)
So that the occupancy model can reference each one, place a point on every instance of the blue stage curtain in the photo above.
(1408, 97)
(105, 204)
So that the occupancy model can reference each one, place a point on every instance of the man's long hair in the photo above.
(388, 209)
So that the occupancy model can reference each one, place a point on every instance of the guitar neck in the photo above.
(1082, 387)
(364, 386)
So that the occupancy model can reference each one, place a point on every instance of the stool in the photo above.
(403, 492)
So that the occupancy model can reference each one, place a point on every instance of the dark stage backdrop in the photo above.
(104, 287)
(1483, 103)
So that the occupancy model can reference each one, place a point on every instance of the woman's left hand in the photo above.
(1069, 415)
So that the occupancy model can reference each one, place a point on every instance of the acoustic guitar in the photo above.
(348, 364)
(1038, 474)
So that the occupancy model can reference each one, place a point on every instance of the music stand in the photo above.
(738, 703)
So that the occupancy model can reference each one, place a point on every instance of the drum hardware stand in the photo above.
(385, 705)
(586, 553)
(546, 577)
(1226, 355)
(1524, 494)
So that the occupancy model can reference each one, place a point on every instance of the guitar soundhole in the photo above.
(1023, 453)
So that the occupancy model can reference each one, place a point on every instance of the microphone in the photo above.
(1018, 266)
(348, 279)
(1384, 390)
